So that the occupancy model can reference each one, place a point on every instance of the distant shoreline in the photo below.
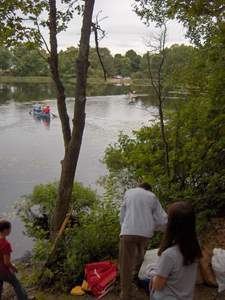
(46, 79)
(25, 79)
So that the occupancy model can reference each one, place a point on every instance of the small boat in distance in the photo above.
(132, 97)
(41, 115)
(40, 112)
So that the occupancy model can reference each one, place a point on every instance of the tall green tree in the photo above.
(29, 62)
(67, 63)
(135, 60)
(122, 65)
(177, 65)
(95, 66)
(5, 59)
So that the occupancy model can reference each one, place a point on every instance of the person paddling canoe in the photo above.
(46, 109)
(37, 107)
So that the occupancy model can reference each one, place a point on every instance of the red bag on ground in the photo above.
(100, 277)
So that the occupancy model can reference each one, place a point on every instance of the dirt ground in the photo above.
(215, 237)
(202, 293)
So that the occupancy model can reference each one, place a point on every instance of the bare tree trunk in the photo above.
(53, 62)
(72, 149)
(158, 88)
(164, 139)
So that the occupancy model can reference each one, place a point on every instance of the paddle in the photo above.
(54, 116)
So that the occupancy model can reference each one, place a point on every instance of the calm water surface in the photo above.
(31, 150)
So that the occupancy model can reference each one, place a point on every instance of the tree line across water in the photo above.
(22, 61)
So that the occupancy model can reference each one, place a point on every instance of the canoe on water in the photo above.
(42, 115)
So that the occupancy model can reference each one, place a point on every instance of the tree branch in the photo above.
(96, 28)
(162, 54)
(42, 56)
(42, 37)
(151, 75)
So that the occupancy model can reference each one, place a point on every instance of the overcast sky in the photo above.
(124, 29)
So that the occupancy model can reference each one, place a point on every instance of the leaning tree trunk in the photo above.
(72, 148)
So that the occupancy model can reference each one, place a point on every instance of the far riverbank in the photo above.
(47, 79)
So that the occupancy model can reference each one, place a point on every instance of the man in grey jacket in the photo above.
(140, 216)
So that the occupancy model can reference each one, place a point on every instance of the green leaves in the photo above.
(23, 20)
(203, 19)
(17, 20)
(196, 136)
(92, 234)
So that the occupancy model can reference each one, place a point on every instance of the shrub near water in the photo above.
(92, 234)
(196, 138)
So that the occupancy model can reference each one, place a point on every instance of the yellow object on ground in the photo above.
(77, 291)
(85, 286)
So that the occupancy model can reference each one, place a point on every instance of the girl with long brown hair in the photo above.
(176, 272)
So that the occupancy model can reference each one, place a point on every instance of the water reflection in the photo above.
(43, 121)
(24, 92)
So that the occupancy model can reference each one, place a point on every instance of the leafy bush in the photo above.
(92, 234)
(196, 150)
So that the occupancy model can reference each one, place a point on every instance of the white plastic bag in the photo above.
(149, 264)
(218, 264)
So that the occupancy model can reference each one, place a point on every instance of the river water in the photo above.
(31, 150)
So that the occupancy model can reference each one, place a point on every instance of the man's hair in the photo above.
(145, 186)
(4, 225)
